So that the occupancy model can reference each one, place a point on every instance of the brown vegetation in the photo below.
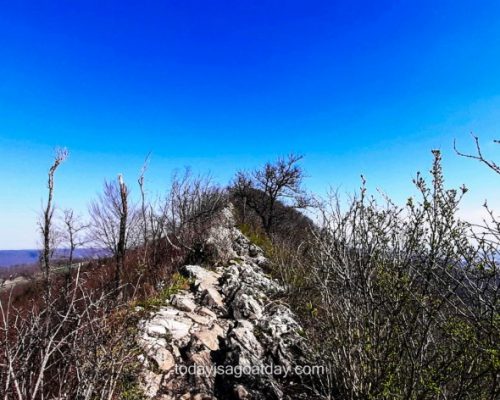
(72, 334)
(399, 302)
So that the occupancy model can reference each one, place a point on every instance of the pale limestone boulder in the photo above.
(210, 337)
(184, 302)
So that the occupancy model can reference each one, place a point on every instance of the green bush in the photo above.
(398, 302)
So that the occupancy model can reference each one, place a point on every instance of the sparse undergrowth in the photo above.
(399, 302)
(258, 237)
(153, 303)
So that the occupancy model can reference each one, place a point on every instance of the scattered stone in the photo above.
(150, 383)
(241, 393)
(201, 396)
(176, 351)
(176, 327)
(183, 302)
(166, 397)
(213, 298)
(163, 358)
(210, 337)
(200, 319)
(202, 276)
(206, 311)
(254, 251)
(204, 382)
(154, 330)
(168, 312)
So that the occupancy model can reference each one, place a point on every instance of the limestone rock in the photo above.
(150, 383)
(200, 319)
(210, 337)
(226, 318)
(211, 297)
(246, 307)
(163, 358)
(207, 312)
(202, 277)
(243, 338)
(183, 302)
(241, 393)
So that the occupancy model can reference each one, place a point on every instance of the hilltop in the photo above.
(369, 300)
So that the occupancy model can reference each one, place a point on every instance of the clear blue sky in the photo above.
(358, 87)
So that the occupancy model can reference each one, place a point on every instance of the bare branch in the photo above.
(479, 155)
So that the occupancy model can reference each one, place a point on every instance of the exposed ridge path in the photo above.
(226, 320)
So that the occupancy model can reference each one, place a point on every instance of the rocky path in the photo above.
(227, 328)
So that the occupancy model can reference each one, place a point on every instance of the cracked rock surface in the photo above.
(228, 319)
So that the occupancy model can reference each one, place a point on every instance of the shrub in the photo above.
(408, 298)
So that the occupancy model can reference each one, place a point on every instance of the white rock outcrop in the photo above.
(228, 319)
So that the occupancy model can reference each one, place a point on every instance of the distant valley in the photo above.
(9, 258)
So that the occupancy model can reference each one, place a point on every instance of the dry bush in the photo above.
(82, 344)
(408, 298)
(68, 349)
(189, 210)
(14, 271)
(397, 302)
(71, 335)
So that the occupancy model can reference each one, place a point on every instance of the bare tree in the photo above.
(145, 210)
(263, 189)
(73, 235)
(152, 224)
(73, 232)
(46, 220)
(190, 206)
(112, 221)
(122, 235)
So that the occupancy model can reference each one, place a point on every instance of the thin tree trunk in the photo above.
(122, 237)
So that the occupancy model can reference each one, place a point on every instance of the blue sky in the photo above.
(358, 87)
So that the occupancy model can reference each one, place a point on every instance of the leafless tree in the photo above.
(122, 236)
(152, 225)
(72, 232)
(145, 210)
(113, 222)
(262, 189)
(46, 220)
(74, 228)
(189, 207)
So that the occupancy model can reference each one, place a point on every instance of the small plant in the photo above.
(258, 238)
(301, 332)
(130, 389)
(153, 303)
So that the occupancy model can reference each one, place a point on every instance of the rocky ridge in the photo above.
(230, 320)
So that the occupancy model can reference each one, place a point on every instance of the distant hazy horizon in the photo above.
(9, 258)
